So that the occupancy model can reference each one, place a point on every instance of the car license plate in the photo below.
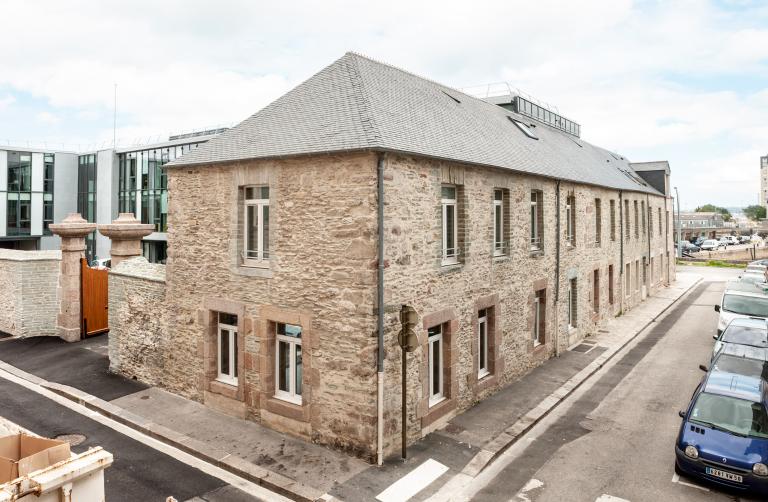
(724, 475)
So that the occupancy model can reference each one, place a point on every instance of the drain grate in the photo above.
(583, 347)
(72, 439)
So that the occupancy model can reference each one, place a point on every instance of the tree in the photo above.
(710, 208)
(755, 212)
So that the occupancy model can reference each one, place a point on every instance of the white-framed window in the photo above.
(538, 318)
(255, 225)
(483, 368)
(450, 225)
(598, 221)
(570, 220)
(435, 348)
(226, 349)
(499, 247)
(288, 364)
(628, 280)
(572, 304)
(536, 218)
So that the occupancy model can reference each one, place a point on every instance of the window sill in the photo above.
(223, 388)
(254, 271)
(437, 411)
(287, 409)
(483, 375)
(448, 268)
(536, 253)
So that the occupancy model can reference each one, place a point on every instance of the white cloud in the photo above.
(48, 118)
(6, 101)
(685, 80)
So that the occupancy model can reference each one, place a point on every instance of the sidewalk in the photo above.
(305, 471)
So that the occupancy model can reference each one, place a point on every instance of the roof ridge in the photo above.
(372, 133)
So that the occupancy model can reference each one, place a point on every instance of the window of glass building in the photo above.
(86, 198)
(19, 203)
(48, 161)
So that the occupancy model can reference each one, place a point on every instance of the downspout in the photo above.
(621, 247)
(380, 310)
(557, 268)
(649, 230)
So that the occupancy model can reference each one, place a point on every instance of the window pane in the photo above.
(498, 224)
(283, 366)
(229, 319)
(251, 235)
(298, 370)
(483, 344)
(450, 238)
(449, 192)
(234, 352)
(436, 367)
(224, 352)
(265, 230)
(289, 330)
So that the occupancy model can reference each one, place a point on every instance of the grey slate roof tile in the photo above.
(357, 103)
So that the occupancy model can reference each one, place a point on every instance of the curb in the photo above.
(492, 450)
(238, 466)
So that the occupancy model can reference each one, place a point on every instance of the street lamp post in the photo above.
(679, 229)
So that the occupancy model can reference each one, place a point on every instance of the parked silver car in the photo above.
(712, 245)
(752, 332)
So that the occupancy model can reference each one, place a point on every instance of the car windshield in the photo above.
(710, 243)
(746, 305)
(731, 414)
(746, 335)
(752, 278)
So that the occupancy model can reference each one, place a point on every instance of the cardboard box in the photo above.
(21, 454)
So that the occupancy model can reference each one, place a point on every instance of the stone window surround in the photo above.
(269, 317)
(535, 348)
(539, 187)
(211, 308)
(495, 356)
(450, 322)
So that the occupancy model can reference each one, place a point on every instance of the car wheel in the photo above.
(678, 471)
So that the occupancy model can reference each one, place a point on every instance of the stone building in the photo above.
(709, 225)
(512, 238)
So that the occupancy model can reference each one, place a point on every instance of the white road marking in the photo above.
(532, 484)
(676, 479)
(413, 482)
(184, 457)
(609, 498)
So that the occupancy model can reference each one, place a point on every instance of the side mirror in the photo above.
(703, 368)
(717, 308)
(714, 337)
(681, 413)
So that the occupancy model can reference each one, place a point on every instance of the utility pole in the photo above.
(408, 341)
(679, 230)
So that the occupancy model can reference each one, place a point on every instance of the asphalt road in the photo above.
(139, 472)
(616, 439)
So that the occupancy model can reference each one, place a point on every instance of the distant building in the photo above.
(764, 181)
(40, 187)
(707, 225)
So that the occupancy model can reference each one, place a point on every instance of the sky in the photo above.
(684, 81)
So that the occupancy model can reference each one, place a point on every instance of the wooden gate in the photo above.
(95, 299)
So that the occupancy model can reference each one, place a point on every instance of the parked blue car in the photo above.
(723, 436)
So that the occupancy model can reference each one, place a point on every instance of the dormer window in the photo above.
(527, 130)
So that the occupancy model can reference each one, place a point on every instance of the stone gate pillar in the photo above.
(125, 234)
(72, 231)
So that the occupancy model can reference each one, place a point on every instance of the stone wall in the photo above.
(454, 294)
(28, 292)
(138, 338)
(321, 275)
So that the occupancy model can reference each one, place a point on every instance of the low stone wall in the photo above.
(748, 254)
(28, 292)
(138, 313)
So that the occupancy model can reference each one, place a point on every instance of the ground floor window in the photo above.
(596, 290)
(637, 276)
(539, 304)
(227, 349)
(435, 349)
(610, 284)
(155, 251)
(482, 335)
(572, 304)
(628, 280)
(288, 363)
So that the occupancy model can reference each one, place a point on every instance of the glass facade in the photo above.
(86, 198)
(143, 187)
(19, 209)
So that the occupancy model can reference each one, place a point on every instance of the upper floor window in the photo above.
(450, 225)
(256, 225)
(660, 229)
(500, 209)
(613, 220)
(570, 220)
(48, 161)
(598, 221)
(537, 220)
(642, 212)
(626, 220)
(637, 221)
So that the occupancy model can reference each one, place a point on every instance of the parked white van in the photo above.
(741, 299)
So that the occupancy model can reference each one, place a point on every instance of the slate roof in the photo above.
(357, 103)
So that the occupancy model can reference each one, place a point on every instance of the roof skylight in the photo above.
(524, 127)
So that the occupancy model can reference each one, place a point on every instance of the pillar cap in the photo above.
(126, 228)
(72, 226)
